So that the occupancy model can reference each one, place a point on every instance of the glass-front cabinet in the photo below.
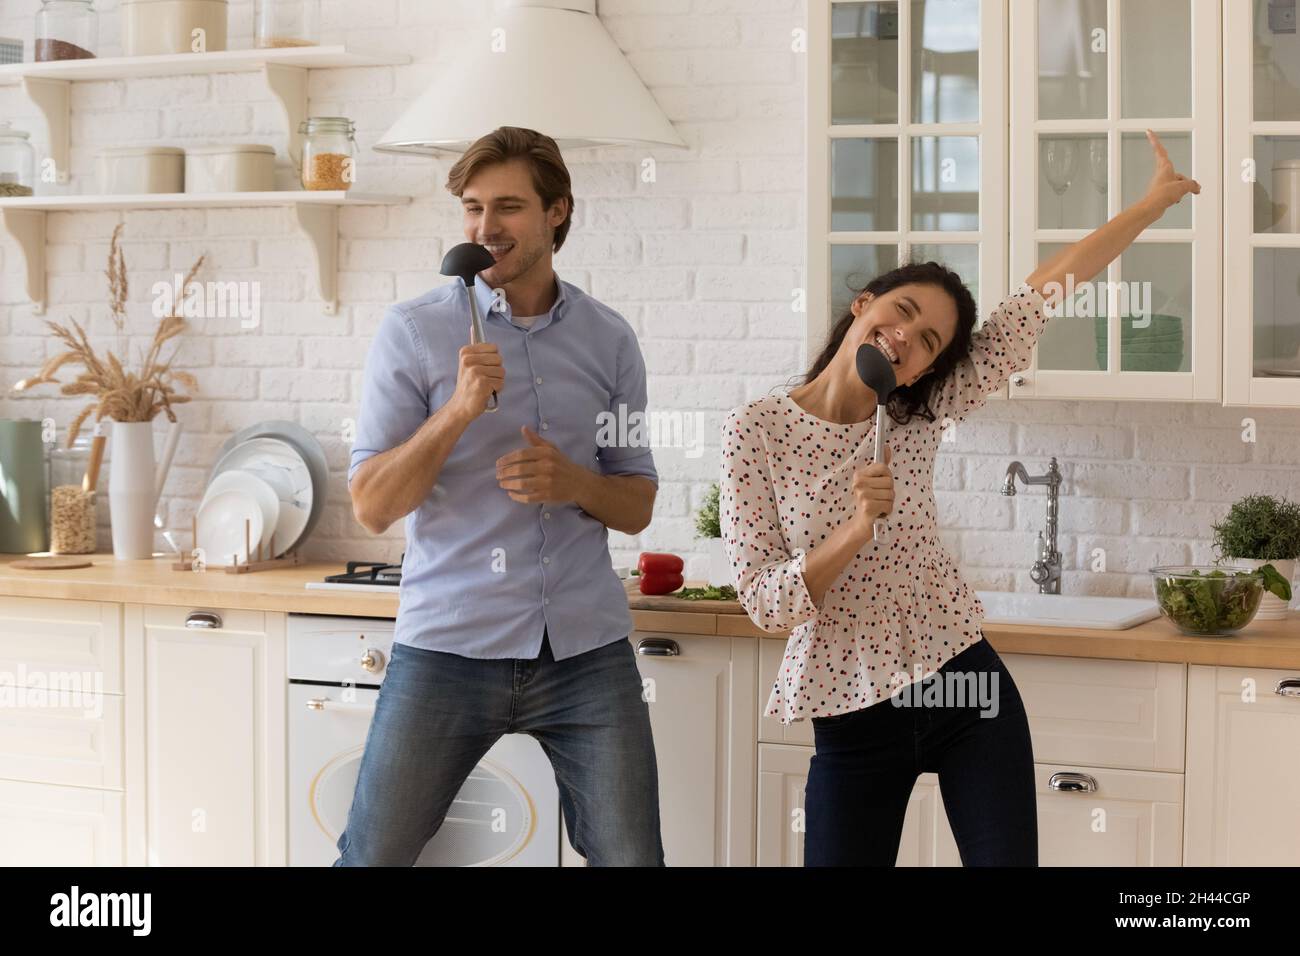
(1261, 65)
(906, 147)
(989, 133)
(1087, 79)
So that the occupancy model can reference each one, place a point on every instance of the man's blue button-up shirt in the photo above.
(484, 575)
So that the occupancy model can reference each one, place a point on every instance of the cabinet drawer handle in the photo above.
(658, 647)
(204, 620)
(1018, 380)
(1071, 782)
(1288, 687)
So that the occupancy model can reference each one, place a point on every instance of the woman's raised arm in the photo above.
(1091, 254)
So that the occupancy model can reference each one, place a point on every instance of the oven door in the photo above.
(506, 814)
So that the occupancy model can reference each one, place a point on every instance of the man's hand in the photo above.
(540, 473)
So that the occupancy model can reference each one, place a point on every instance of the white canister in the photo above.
(128, 170)
(1286, 194)
(154, 27)
(230, 168)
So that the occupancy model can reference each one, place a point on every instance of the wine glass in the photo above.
(1059, 156)
(1097, 169)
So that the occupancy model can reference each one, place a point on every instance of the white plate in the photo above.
(221, 526)
(260, 491)
(283, 466)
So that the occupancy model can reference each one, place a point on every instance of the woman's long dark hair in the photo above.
(914, 399)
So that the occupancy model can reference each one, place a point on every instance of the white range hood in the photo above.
(554, 69)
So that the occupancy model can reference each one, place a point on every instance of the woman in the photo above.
(869, 618)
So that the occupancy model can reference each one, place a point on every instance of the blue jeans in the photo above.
(438, 714)
(867, 761)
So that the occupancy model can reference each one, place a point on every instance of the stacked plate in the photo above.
(264, 495)
(1155, 347)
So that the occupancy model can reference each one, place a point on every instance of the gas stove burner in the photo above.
(362, 573)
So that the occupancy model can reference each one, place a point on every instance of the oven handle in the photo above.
(319, 703)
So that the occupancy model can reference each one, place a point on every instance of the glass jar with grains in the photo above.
(283, 23)
(329, 150)
(66, 30)
(17, 162)
(72, 510)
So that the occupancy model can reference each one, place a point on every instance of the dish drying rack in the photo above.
(263, 562)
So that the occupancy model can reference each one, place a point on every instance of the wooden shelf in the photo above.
(48, 85)
(316, 214)
(187, 64)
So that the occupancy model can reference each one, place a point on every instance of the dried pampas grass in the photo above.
(120, 393)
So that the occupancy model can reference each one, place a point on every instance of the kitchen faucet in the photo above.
(1046, 572)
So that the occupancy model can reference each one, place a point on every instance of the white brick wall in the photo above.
(701, 262)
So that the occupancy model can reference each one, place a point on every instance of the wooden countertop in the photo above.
(1272, 644)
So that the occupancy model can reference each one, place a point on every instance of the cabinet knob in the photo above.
(658, 647)
(1018, 380)
(1071, 782)
(372, 660)
(1288, 687)
(204, 620)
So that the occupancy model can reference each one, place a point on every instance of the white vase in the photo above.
(135, 481)
(719, 566)
(1271, 607)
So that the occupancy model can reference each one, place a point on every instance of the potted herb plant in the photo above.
(1260, 530)
(708, 526)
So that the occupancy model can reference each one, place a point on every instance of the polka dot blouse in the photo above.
(900, 609)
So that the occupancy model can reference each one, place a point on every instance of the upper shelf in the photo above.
(285, 197)
(315, 212)
(179, 64)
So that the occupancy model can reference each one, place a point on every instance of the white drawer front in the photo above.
(1102, 713)
(1122, 818)
(43, 825)
(43, 640)
(75, 744)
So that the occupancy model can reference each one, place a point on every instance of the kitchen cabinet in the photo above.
(906, 147)
(1108, 742)
(700, 689)
(1261, 127)
(214, 746)
(1087, 79)
(43, 825)
(63, 733)
(1041, 105)
(1243, 735)
(782, 775)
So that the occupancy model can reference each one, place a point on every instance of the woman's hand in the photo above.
(1168, 186)
(1082, 261)
(873, 492)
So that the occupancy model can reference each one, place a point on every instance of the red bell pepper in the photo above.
(651, 561)
(661, 582)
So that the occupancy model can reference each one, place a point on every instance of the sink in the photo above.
(1065, 610)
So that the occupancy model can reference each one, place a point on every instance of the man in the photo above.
(506, 516)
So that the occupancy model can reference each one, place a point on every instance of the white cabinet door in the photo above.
(1124, 714)
(906, 147)
(64, 723)
(1090, 816)
(1261, 120)
(701, 693)
(43, 825)
(1243, 736)
(215, 735)
(782, 775)
(1087, 78)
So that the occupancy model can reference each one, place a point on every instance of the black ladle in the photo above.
(877, 374)
(467, 260)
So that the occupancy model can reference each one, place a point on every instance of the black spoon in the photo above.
(466, 261)
(877, 374)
